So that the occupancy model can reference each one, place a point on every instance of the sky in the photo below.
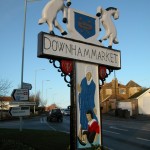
(132, 32)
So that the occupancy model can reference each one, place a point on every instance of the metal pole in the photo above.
(35, 90)
(23, 42)
(23, 45)
(73, 112)
(42, 87)
(35, 86)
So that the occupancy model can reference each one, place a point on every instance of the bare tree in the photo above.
(5, 85)
(38, 100)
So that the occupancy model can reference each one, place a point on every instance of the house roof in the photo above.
(131, 83)
(110, 85)
(118, 97)
(138, 94)
(6, 98)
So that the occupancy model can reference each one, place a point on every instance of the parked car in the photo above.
(55, 115)
(67, 112)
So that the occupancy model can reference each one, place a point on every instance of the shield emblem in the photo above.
(102, 72)
(82, 26)
(85, 25)
(66, 66)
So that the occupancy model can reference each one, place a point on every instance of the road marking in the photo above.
(147, 140)
(111, 132)
(117, 128)
(108, 148)
(51, 126)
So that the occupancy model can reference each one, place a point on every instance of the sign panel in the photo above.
(22, 103)
(19, 111)
(20, 94)
(88, 108)
(27, 86)
(55, 46)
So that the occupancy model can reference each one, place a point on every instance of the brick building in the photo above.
(112, 92)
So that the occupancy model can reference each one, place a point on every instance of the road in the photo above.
(124, 135)
(117, 134)
(38, 123)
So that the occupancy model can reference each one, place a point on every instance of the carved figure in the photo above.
(106, 21)
(49, 14)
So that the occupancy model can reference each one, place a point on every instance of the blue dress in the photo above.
(86, 102)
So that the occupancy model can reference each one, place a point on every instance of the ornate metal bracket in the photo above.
(65, 68)
(103, 74)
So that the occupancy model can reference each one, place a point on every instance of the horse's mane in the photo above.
(111, 8)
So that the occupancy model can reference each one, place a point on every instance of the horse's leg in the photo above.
(104, 38)
(64, 10)
(111, 38)
(50, 24)
(115, 41)
(57, 25)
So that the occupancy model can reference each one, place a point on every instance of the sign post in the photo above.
(27, 86)
(19, 111)
(20, 94)
(85, 61)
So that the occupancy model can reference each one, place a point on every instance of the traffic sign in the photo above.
(19, 111)
(20, 94)
(27, 86)
(23, 103)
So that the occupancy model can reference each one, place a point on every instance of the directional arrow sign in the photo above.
(19, 111)
(27, 86)
(20, 94)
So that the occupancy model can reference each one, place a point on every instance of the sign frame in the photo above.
(20, 94)
(19, 111)
(92, 53)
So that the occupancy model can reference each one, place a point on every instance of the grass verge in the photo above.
(33, 140)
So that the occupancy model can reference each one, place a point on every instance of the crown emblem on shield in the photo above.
(84, 25)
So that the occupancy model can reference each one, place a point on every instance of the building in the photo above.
(143, 99)
(111, 93)
(4, 103)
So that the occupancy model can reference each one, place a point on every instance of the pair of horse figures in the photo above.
(52, 8)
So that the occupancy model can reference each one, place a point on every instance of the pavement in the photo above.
(141, 118)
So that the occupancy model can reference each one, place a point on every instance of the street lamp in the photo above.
(46, 91)
(23, 45)
(42, 86)
(35, 85)
(23, 39)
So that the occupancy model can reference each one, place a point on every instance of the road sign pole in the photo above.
(20, 118)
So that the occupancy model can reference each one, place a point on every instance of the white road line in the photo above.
(117, 128)
(51, 126)
(147, 140)
(111, 132)
(108, 148)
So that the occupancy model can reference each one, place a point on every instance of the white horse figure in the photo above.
(49, 14)
(105, 19)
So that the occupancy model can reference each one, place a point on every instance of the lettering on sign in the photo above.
(66, 48)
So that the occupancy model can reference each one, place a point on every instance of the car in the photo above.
(66, 112)
(55, 115)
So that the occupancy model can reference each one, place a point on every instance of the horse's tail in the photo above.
(41, 21)
(115, 41)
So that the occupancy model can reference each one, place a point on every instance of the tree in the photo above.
(5, 85)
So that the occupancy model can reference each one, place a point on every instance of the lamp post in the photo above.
(23, 45)
(46, 91)
(23, 39)
(35, 85)
(42, 86)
